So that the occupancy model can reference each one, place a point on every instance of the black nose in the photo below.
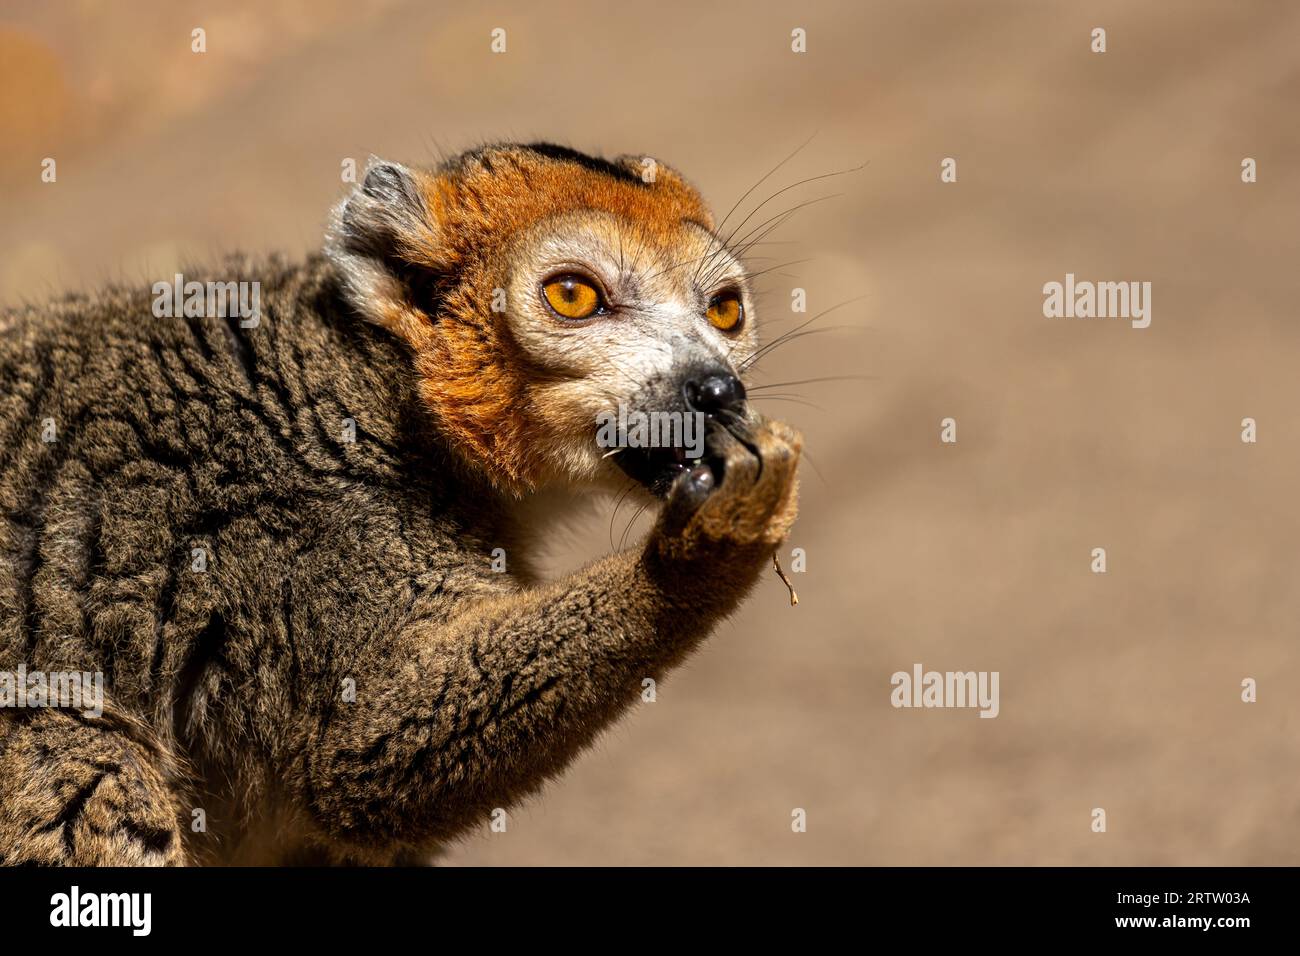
(713, 392)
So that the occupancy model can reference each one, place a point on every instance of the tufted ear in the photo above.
(381, 235)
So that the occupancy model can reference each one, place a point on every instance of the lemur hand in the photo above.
(736, 506)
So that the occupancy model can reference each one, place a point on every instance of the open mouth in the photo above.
(655, 469)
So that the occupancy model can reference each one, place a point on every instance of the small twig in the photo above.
(776, 563)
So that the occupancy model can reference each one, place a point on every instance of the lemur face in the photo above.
(624, 325)
(543, 293)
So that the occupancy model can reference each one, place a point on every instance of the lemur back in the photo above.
(183, 500)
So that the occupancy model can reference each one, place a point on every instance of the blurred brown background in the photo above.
(1119, 691)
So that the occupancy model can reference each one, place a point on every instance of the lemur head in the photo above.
(540, 289)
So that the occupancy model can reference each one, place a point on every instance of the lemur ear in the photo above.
(379, 235)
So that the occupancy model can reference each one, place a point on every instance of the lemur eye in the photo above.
(571, 296)
(725, 311)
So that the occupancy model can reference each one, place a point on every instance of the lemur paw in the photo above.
(741, 501)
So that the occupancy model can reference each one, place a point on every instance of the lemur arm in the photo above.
(462, 718)
(454, 720)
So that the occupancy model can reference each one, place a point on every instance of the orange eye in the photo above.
(571, 296)
(725, 311)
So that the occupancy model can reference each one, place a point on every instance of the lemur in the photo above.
(345, 677)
